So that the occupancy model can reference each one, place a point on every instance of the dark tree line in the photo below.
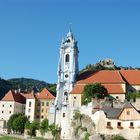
(24, 85)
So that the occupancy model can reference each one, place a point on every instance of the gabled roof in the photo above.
(13, 96)
(128, 105)
(112, 112)
(103, 77)
(111, 89)
(45, 94)
(28, 95)
(132, 77)
(78, 89)
(116, 112)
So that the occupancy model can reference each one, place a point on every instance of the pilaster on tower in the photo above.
(67, 69)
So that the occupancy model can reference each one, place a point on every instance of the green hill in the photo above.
(24, 84)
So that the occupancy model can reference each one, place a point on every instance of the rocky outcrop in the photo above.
(82, 127)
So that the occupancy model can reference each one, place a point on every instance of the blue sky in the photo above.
(31, 32)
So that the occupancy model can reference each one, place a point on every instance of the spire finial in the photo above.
(70, 27)
(70, 31)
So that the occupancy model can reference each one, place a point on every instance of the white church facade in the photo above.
(67, 73)
(70, 85)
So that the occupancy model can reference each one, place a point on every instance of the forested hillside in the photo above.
(24, 84)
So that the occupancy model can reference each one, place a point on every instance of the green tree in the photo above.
(44, 126)
(32, 127)
(78, 116)
(117, 137)
(10, 125)
(19, 123)
(52, 88)
(86, 136)
(132, 96)
(54, 130)
(93, 91)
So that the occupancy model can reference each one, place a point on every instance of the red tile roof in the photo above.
(28, 95)
(104, 77)
(13, 96)
(111, 89)
(114, 88)
(45, 94)
(132, 77)
(78, 89)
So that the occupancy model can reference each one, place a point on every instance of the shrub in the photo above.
(117, 137)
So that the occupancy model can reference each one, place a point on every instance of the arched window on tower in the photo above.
(67, 59)
(66, 95)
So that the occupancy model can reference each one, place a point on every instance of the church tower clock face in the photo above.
(67, 69)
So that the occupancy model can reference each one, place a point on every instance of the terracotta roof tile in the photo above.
(13, 96)
(45, 94)
(103, 76)
(111, 88)
(132, 77)
(114, 88)
(78, 89)
(28, 95)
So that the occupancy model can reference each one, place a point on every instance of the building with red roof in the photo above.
(132, 79)
(117, 83)
(35, 106)
(44, 100)
(12, 103)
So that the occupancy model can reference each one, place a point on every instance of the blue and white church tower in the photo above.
(67, 73)
(67, 69)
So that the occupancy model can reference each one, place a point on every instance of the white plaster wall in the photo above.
(2, 123)
(86, 109)
(136, 104)
(54, 117)
(65, 123)
(75, 102)
(18, 108)
(100, 121)
(120, 96)
(5, 107)
(30, 111)
(124, 87)
(9, 108)
(137, 87)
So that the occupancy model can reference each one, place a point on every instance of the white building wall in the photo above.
(136, 87)
(100, 121)
(75, 100)
(8, 108)
(19, 108)
(65, 123)
(54, 116)
(119, 96)
(2, 126)
(124, 87)
(30, 109)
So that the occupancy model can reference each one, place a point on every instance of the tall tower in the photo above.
(67, 69)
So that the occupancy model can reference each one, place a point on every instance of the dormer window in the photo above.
(67, 58)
